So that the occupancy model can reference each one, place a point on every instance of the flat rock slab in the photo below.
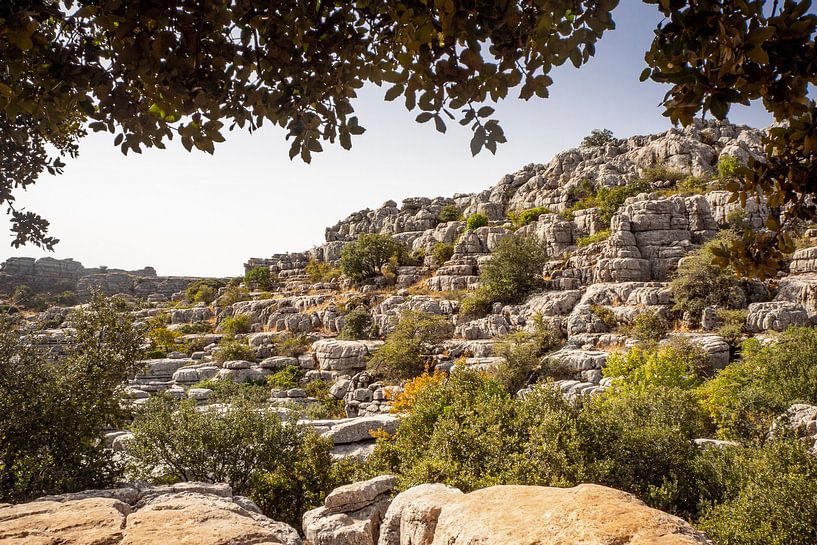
(360, 429)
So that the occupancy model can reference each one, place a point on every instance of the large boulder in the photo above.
(360, 429)
(351, 514)
(587, 514)
(186, 514)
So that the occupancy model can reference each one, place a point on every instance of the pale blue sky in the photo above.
(196, 214)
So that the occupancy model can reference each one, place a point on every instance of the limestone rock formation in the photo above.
(188, 513)
(435, 514)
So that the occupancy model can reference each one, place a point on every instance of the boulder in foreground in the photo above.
(184, 514)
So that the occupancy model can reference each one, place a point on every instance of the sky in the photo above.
(195, 214)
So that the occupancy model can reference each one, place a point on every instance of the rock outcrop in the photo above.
(187, 513)
(435, 514)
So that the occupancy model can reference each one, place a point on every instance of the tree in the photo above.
(58, 410)
(366, 257)
(405, 352)
(285, 468)
(515, 268)
(598, 137)
(152, 71)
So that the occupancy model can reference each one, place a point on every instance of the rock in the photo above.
(335, 355)
(775, 316)
(352, 497)
(359, 429)
(351, 514)
(190, 513)
(523, 515)
(412, 515)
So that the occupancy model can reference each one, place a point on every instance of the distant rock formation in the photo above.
(56, 275)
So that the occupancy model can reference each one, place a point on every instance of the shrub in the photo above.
(204, 290)
(514, 270)
(641, 441)
(744, 398)
(287, 378)
(598, 236)
(694, 185)
(732, 323)
(662, 173)
(320, 271)
(475, 221)
(260, 278)
(57, 411)
(162, 340)
(679, 365)
(329, 406)
(609, 199)
(225, 391)
(476, 304)
(728, 168)
(231, 349)
(66, 299)
(650, 326)
(235, 325)
(233, 294)
(526, 217)
(522, 353)
(366, 257)
(606, 315)
(769, 495)
(450, 212)
(403, 355)
(25, 297)
(700, 283)
(357, 324)
(292, 346)
(285, 468)
(442, 252)
(598, 137)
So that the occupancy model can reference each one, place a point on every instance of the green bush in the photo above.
(700, 283)
(476, 304)
(25, 297)
(442, 252)
(450, 212)
(662, 173)
(607, 316)
(204, 290)
(609, 199)
(598, 236)
(650, 326)
(235, 325)
(732, 324)
(225, 391)
(676, 365)
(768, 495)
(728, 168)
(598, 137)
(66, 299)
(475, 221)
(233, 294)
(526, 217)
(329, 406)
(287, 378)
(514, 270)
(292, 346)
(230, 349)
(260, 278)
(320, 271)
(522, 354)
(357, 324)
(744, 398)
(285, 468)
(404, 354)
(366, 257)
(57, 409)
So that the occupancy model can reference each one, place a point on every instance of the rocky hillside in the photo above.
(621, 233)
